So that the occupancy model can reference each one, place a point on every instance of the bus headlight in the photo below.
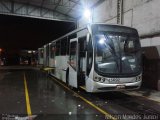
(99, 79)
(103, 80)
(96, 79)
(138, 78)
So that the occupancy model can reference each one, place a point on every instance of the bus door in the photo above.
(47, 55)
(44, 56)
(73, 62)
(82, 60)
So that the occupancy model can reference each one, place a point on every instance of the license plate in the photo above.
(114, 80)
(120, 86)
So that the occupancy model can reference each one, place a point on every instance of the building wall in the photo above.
(140, 14)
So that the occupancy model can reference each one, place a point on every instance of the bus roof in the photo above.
(85, 27)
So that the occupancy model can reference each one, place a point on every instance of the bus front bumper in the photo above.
(102, 87)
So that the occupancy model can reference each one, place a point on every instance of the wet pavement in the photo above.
(46, 97)
(50, 100)
(12, 100)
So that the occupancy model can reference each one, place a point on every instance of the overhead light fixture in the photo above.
(88, 14)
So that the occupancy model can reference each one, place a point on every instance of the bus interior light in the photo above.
(101, 41)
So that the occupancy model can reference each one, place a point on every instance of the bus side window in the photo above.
(53, 50)
(47, 50)
(73, 56)
(58, 45)
(41, 53)
(68, 41)
(82, 53)
(89, 56)
(64, 46)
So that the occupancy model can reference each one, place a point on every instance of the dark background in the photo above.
(22, 33)
(30, 33)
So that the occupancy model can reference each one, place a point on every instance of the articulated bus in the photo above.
(97, 58)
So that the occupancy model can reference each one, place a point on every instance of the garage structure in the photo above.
(140, 14)
(126, 12)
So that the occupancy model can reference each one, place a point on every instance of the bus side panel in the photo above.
(41, 61)
(57, 66)
(51, 62)
(64, 66)
(89, 81)
(61, 66)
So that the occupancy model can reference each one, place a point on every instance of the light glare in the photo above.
(29, 51)
(101, 41)
(87, 13)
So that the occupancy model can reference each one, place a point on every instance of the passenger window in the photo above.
(41, 53)
(52, 50)
(64, 46)
(47, 50)
(58, 48)
(89, 56)
(82, 46)
(68, 41)
(82, 54)
(73, 55)
(130, 44)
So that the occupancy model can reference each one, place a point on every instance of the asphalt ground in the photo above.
(31, 93)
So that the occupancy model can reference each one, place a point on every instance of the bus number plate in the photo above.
(114, 80)
(120, 86)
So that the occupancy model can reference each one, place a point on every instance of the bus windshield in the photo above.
(117, 53)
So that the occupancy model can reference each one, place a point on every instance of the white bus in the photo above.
(97, 58)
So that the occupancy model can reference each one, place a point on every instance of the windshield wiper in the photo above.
(112, 50)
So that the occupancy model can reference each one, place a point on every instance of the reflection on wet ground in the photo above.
(46, 97)
(12, 98)
(50, 101)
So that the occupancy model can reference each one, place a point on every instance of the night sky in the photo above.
(18, 33)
